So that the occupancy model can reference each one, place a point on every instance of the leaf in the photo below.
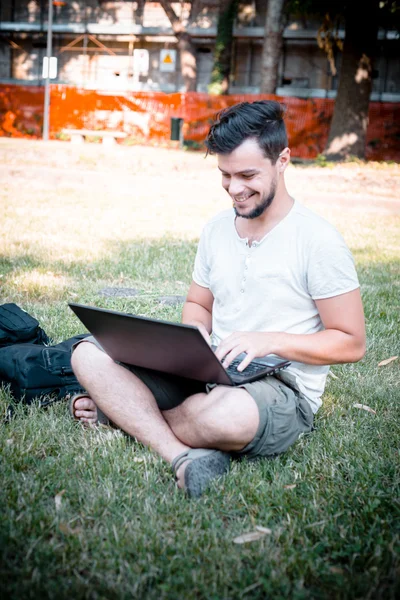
(383, 363)
(365, 407)
(265, 530)
(290, 486)
(252, 536)
(65, 528)
(57, 499)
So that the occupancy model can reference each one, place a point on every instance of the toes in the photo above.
(84, 404)
(85, 410)
(85, 414)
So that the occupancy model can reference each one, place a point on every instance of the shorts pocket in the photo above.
(305, 415)
(284, 422)
(284, 415)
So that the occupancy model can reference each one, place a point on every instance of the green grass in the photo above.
(92, 514)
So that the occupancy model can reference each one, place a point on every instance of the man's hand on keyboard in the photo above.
(253, 344)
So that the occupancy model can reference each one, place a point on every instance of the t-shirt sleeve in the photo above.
(201, 271)
(331, 270)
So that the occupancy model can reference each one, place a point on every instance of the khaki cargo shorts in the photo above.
(284, 413)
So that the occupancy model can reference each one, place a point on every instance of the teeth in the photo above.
(242, 198)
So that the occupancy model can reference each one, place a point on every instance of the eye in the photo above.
(248, 175)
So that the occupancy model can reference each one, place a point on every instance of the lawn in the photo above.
(93, 514)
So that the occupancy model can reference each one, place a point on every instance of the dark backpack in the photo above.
(17, 326)
(43, 372)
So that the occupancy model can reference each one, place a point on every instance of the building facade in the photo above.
(131, 46)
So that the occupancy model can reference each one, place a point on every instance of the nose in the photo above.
(235, 187)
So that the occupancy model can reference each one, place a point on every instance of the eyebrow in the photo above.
(244, 172)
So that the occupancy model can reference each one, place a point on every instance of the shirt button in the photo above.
(242, 291)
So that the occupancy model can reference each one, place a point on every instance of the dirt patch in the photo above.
(139, 173)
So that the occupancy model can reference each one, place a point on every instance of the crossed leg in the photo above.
(225, 419)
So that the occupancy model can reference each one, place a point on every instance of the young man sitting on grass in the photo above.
(270, 277)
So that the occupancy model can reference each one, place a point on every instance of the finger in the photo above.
(245, 362)
(220, 352)
(226, 346)
(231, 356)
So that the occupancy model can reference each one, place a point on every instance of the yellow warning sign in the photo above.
(167, 60)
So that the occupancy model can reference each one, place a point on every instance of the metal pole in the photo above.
(85, 65)
(85, 43)
(47, 83)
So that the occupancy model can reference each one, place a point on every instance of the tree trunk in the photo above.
(187, 54)
(186, 48)
(272, 48)
(347, 136)
(221, 71)
(139, 12)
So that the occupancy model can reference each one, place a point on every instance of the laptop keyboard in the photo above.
(251, 369)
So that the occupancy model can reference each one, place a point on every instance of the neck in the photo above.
(256, 229)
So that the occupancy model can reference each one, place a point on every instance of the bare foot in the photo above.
(85, 410)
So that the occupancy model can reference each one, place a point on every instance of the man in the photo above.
(270, 277)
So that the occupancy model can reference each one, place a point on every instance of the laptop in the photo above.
(172, 348)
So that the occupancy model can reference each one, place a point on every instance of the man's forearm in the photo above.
(194, 314)
(323, 348)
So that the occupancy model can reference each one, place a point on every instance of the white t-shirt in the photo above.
(272, 285)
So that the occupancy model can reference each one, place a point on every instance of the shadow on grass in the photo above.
(148, 261)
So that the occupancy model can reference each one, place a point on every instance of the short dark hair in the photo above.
(261, 120)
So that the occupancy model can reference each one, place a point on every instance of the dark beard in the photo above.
(261, 208)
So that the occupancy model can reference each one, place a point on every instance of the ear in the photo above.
(283, 159)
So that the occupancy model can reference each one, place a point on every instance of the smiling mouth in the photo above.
(240, 199)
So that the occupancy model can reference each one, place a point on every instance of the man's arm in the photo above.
(342, 341)
(197, 309)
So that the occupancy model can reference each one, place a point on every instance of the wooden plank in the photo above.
(94, 133)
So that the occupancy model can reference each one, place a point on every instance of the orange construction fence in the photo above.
(146, 117)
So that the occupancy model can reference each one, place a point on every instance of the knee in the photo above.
(232, 417)
(238, 411)
(87, 356)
